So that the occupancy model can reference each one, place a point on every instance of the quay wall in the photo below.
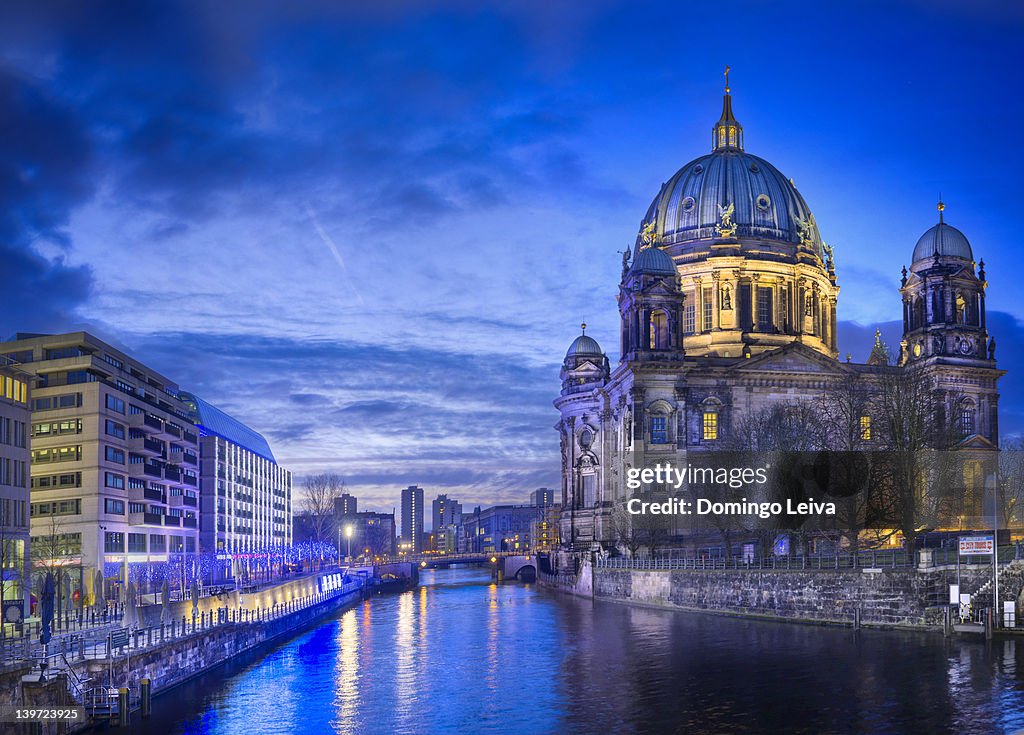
(179, 659)
(882, 597)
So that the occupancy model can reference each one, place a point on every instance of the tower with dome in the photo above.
(728, 306)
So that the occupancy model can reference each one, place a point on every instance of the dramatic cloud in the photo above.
(370, 231)
(44, 158)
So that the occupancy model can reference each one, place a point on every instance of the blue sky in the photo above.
(370, 231)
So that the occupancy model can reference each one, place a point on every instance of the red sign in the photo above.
(970, 545)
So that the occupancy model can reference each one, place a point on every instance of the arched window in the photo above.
(659, 330)
(967, 418)
(659, 423)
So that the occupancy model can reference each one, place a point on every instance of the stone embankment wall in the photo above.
(883, 597)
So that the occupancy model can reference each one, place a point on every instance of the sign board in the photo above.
(1009, 614)
(954, 594)
(119, 638)
(970, 545)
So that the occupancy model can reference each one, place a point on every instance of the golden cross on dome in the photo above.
(583, 326)
(942, 207)
(727, 70)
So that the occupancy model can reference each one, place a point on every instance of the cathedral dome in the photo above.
(766, 205)
(653, 261)
(730, 193)
(584, 346)
(944, 240)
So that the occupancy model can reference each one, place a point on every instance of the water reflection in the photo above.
(462, 654)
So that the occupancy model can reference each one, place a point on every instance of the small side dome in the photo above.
(653, 261)
(584, 346)
(943, 239)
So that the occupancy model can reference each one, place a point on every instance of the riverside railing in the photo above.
(116, 640)
(869, 559)
(863, 560)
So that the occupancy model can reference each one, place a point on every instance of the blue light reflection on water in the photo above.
(463, 655)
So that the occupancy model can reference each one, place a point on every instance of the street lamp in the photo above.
(348, 535)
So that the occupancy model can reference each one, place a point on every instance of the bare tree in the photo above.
(1010, 501)
(848, 414)
(918, 486)
(625, 530)
(49, 552)
(320, 492)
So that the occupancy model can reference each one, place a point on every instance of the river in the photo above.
(463, 655)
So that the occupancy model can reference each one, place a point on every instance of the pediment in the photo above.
(793, 358)
(977, 441)
(586, 368)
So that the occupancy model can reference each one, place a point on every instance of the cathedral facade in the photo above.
(728, 305)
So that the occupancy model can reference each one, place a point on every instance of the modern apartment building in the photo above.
(114, 467)
(14, 493)
(245, 496)
(412, 518)
(346, 505)
(446, 514)
(542, 497)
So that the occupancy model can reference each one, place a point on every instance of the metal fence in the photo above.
(114, 640)
(863, 560)
(870, 559)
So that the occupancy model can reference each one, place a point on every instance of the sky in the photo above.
(370, 230)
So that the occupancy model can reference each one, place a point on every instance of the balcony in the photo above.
(189, 437)
(172, 521)
(172, 430)
(179, 501)
(145, 469)
(151, 494)
(145, 421)
(173, 474)
(150, 519)
(175, 458)
(146, 445)
(189, 480)
(188, 522)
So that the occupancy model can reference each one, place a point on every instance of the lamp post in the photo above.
(348, 535)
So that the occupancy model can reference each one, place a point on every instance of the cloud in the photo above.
(44, 166)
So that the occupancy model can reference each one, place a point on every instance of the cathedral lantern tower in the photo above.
(944, 300)
(753, 268)
(945, 331)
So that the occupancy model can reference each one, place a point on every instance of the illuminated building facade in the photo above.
(446, 515)
(15, 395)
(114, 466)
(412, 518)
(245, 496)
(727, 304)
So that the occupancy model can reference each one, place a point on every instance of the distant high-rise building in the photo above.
(14, 491)
(345, 505)
(412, 517)
(445, 513)
(542, 497)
